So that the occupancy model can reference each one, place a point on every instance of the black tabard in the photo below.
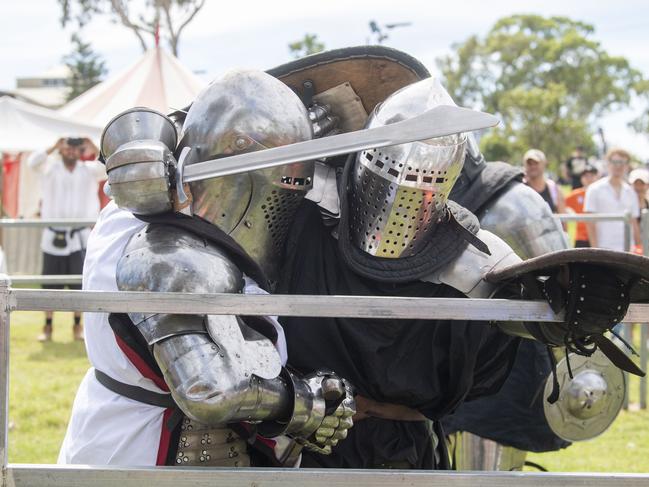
(514, 416)
(428, 365)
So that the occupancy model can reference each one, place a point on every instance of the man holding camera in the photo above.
(69, 190)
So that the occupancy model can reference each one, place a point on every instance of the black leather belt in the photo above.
(134, 392)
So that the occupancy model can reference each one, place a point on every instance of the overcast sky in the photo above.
(255, 34)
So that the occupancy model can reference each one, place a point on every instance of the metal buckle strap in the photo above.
(134, 392)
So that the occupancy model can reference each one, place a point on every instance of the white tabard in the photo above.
(106, 428)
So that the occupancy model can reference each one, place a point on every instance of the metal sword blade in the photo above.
(437, 122)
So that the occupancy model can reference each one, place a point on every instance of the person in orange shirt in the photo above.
(575, 201)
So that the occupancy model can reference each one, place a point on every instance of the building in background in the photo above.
(48, 89)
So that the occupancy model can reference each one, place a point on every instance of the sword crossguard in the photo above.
(180, 171)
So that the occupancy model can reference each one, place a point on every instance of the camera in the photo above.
(74, 141)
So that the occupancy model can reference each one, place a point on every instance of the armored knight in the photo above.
(186, 389)
(495, 432)
(399, 235)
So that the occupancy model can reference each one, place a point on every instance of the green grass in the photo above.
(43, 381)
(45, 377)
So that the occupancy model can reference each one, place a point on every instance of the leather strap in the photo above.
(134, 392)
(366, 407)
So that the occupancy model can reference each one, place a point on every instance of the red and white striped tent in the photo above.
(157, 80)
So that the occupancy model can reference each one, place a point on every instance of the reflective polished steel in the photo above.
(138, 174)
(218, 368)
(466, 272)
(137, 123)
(436, 122)
(472, 452)
(589, 402)
(524, 220)
(166, 258)
(247, 111)
(400, 192)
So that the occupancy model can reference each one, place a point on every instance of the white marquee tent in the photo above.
(157, 80)
(25, 127)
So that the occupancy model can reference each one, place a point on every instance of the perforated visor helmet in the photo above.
(399, 193)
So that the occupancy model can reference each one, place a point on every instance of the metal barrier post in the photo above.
(627, 328)
(644, 333)
(628, 231)
(626, 331)
(5, 309)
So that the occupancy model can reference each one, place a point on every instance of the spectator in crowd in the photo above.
(69, 190)
(612, 194)
(575, 201)
(575, 165)
(534, 165)
(639, 179)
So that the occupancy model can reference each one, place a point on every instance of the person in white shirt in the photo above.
(612, 194)
(69, 190)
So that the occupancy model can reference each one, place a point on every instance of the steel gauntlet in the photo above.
(323, 406)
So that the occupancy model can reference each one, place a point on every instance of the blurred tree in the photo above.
(546, 78)
(309, 44)
(143, 17)
(641, 124)
(86, 68)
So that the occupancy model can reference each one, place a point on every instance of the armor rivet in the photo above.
(619, 307)
(179, 461)
(581, 298)
(185, 459)
(209, 441)
(202, 459)
(622, 295)
(207, 456)
(248, 224)
(240, 143)
(583, 286)
(204, 452)
(578, 311)
(202, 442)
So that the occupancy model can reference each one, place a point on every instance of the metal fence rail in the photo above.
(384, 307)
(32, 264)
(84, 476)
(53, 222)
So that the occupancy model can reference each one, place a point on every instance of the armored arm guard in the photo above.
(137, 147)
(220, 369)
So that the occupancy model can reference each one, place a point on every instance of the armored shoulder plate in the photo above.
(466, 272)
(167, 259)
(524, 220)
